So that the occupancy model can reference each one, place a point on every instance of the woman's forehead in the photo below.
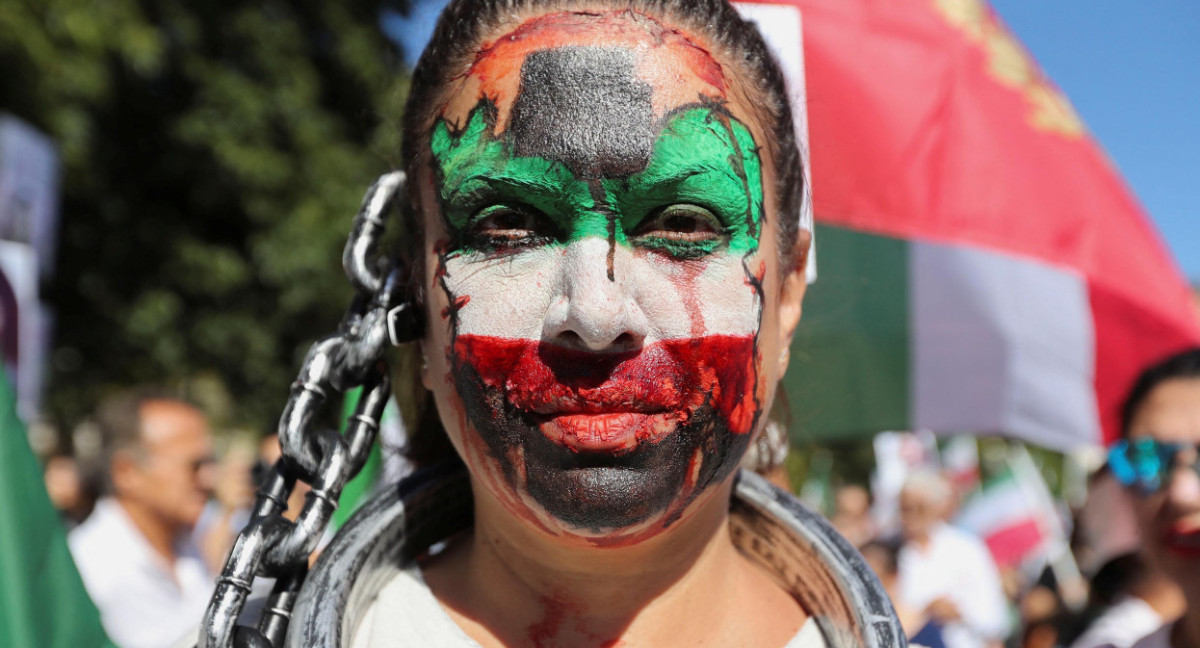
(600, 77)
(1171, 412)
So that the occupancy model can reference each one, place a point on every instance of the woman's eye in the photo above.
(505, 222)
(682, 223)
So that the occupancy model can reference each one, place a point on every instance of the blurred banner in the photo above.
(983, 266)
(24, 325)
(29, 171)
(897, 456)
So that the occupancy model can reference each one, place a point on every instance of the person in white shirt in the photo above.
(1158, 460)
(135, 552)
(947, 572)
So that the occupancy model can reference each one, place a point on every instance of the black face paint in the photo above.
(601, 491)
(586, 108)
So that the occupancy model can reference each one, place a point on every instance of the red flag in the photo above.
(966, 215)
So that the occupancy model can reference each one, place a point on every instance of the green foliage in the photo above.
(214, 153)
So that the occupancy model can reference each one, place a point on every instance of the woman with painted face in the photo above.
(1158, 459)
(602, 207)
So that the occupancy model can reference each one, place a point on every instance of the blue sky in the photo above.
(1132, 70)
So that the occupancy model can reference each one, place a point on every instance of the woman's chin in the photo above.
(604, 506)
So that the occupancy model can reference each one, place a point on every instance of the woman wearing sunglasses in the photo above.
(1158, 458)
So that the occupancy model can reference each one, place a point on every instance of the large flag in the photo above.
(42, 599)
(982, 265)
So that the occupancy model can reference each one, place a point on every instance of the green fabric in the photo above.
(849, 373)
(356, 491)
(42, 599)
(702, 157)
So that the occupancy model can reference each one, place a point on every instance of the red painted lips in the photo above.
(611, 402)
(1183, 538)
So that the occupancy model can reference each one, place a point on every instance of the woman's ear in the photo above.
(793, 284)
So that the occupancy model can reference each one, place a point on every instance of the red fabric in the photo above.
(928, 120)
(1011, 545)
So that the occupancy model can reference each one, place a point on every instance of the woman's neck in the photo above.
(1187, 630)
(511, 584)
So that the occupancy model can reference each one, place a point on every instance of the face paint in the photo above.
(607, 356)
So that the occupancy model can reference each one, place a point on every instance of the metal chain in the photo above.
(271, 545)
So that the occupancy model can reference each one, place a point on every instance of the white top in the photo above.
(405, 614)
(1122, 624)
(956, 565)
(143, 601)
(1160, 638)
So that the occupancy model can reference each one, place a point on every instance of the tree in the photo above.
(214, 153)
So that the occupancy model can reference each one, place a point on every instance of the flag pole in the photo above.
(1059, 557)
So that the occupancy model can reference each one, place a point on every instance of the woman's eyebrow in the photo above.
(509, 181)
(678, 175)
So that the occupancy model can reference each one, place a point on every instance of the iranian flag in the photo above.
(1014, 514)
(983, 267)
(1003, 516)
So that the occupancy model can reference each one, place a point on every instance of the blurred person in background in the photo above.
(1158, 459)
(230, 506)
(70, 493)
(1041, 613)
(852, 514)
(136, 552)
(945, 572)
(269, 451)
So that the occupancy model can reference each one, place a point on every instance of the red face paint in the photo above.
(604, 441)
(613, 401)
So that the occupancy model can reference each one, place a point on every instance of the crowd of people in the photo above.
(1137, 538)
(154, 513)
(149, 546)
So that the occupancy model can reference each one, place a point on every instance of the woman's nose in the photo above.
(596, 310)
(1183, 486)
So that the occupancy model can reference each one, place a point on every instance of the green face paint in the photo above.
(702, 157)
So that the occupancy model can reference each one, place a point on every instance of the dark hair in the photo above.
(119, 419)
(1181, 365)
(888, 550)
(464, 25)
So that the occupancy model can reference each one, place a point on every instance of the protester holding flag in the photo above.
(1158, 458)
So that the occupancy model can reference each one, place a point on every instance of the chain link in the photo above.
(271, 545)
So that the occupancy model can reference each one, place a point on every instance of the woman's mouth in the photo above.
(1183, 539)
(590, 402)
(614, 432)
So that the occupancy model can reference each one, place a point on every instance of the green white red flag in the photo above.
(1010, 522)
(983, 267)
(1014, 513)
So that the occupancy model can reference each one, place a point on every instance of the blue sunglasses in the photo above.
(1146, 464)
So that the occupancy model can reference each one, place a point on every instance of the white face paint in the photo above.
(539, 294)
